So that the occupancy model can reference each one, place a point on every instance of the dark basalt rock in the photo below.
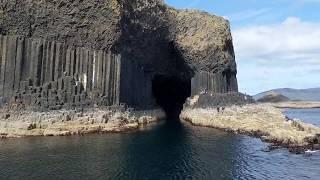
(218, 100)
(57, 53)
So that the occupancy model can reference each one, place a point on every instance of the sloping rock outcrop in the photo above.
(56, 54)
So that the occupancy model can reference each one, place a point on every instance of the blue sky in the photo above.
(277, 42)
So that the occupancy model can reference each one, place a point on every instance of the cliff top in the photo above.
(130, 27)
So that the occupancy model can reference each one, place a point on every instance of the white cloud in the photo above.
(286, 54)
(290, 39)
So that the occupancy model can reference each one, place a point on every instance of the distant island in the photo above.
(312, 94)
(273, 97)
(291, 98)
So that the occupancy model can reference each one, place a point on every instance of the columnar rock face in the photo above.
(214, 82)
(107, 52)
(53, 74)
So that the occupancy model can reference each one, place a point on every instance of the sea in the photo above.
(170, 150)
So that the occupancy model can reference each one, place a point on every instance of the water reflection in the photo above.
(167, 151)
(160, 155)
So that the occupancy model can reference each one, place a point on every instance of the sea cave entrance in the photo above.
(171, 93)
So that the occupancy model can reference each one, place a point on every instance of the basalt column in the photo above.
(136, 85)
(220, 82)
(52, 74)
(76, 53)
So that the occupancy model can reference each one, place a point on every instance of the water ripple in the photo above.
(177, 151)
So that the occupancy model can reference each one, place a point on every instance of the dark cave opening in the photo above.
(171, 93)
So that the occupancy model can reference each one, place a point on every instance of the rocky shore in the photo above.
(259, 120)
(297, 105)
(22, 123)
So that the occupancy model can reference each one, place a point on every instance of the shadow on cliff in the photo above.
(172, 90)
(154, 51)
(171, 93)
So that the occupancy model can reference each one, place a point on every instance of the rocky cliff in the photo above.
(56, 53)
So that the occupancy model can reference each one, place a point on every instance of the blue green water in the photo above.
(166, 151)
(311, 116)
